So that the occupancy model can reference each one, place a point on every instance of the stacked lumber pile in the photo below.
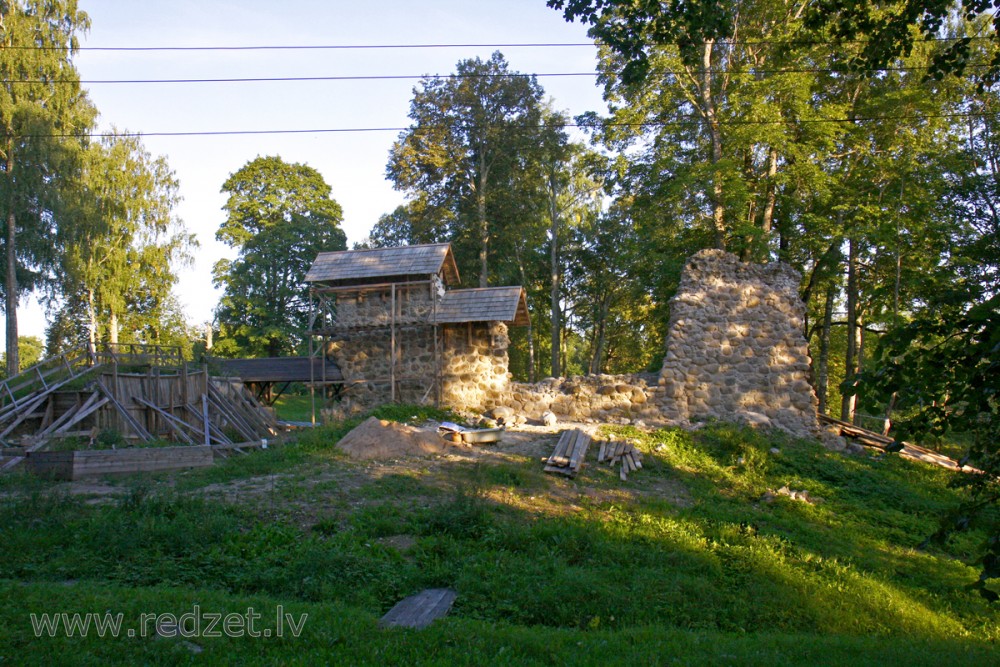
(623, 453)
(864, 436)
(570, 451)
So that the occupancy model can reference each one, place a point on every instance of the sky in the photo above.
(353, 163)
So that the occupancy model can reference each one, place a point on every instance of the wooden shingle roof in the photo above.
(349, 267)
(484, 304)
(279, 369)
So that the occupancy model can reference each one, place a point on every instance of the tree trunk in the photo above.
(715, 135)
(484, 230)
(554, 269)
(113, 329)
(823, 365)
(531, 333)
(600, 337)
(849, 403)
(767, 218)
(13, 361)
(92, 326)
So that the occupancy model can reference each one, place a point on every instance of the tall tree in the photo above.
(279, 216)
(467, 131)
(41, 107)
(119, 256)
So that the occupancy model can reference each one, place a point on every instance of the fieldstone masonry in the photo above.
(734, 352)
(735, 347)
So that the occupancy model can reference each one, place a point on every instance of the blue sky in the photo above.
(352, 163)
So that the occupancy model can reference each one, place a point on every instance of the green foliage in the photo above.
(119, 258)
(462, 164)
(280, 216)
(945, 368)
(31, 349)
(40, 102)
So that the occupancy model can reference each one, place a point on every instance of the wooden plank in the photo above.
(219, 436)
(93, 404)
(420, 610)
(600, 452)
(560, 450)
(564, 458)
(207, 421)
(234, 420)
(129, 419)
(579, 451)
(10, 464)
(177, 426)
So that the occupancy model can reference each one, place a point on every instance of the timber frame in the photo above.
(141, 392)
(325, 328)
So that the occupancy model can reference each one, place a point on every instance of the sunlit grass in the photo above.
(542, 564)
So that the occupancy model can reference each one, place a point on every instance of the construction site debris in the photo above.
(569, 454)
(621, 453)
(378, 439)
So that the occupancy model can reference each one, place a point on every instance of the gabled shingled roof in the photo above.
(384, 264)
(279, 369)
(484, 304)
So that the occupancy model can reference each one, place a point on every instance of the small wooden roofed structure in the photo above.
(264, 374)
(484, 304)
(384, 265)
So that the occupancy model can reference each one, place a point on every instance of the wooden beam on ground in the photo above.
(420, 610)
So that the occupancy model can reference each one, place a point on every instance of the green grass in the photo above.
(296, 407)
(548, 570)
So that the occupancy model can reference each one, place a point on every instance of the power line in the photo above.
(264, 79)
(310, 47)
(348, 47)
(641, 124)
(391, 77)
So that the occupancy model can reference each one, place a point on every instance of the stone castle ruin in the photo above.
(734, 351)
(389, 320)
(735, 346)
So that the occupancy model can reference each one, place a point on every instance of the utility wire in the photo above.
(347, 47)
(391, 77)
(641, 124)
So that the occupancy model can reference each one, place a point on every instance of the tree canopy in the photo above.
(40, 102)
(459, 158)
(279, 216)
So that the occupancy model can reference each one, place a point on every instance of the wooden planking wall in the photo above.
(74, 465)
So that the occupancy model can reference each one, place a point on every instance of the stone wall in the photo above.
(364, 359)
(472, 357)
(735, 346)
(735, 352)
(603, 398)
(474, 368)
(414, 303)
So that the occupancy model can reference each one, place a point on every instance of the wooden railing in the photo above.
(139, 354)
(60, 370)
(48, 374)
